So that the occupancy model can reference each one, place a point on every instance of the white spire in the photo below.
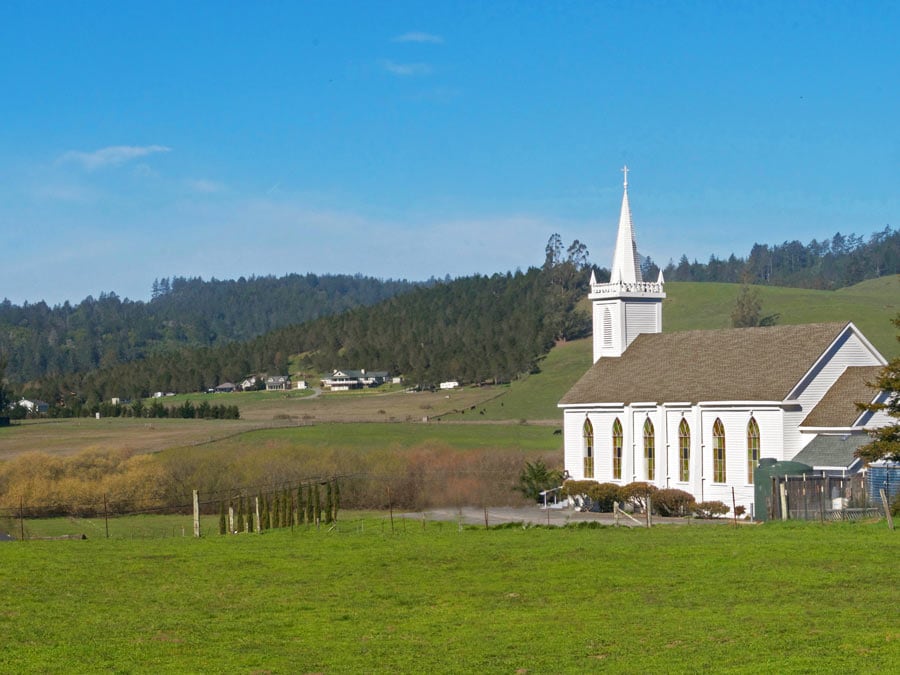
(626, 265)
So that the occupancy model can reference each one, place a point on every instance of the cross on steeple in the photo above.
(625, 171)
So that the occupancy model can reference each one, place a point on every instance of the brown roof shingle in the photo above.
(739, 364)
(838, 407)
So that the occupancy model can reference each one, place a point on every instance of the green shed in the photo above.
(765, 504)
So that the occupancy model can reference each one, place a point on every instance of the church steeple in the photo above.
(626, 265)
(627, 306)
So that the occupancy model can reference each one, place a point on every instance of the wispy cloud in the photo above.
(111, 156)
(204, 185)
(418, 36)
(406, 69)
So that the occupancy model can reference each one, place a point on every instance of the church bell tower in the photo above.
(627, 306)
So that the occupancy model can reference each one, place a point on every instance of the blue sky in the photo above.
(418, 139)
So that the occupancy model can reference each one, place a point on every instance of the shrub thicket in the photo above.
(711, 509)
(671, 502)
(637, 493)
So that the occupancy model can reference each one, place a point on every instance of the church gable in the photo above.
(837, 409)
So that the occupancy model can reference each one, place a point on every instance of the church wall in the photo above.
(666, 421)
(609, 342)
(640, 317)
(735, 421)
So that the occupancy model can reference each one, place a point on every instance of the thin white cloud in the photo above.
(406, 69)
(111, 156)
(418, 36)
(204, 185)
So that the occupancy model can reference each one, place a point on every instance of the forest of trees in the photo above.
(195, 334)
(472, 329)
(40, 341)
(823, 265)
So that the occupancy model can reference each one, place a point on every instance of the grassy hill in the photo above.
(698, 306)
(870, 305)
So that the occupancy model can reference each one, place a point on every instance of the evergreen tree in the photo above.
(301, 506)
(336, 499)
(328, 503)
(276, 511)
(886, 440)
(287, 513)
(317, 506)
(310, 505)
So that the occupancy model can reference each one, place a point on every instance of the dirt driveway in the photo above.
(497, 515)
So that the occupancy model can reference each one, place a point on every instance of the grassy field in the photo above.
(870, 305)
(785, 598)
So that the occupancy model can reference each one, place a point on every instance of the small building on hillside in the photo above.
(301, 384)
(697, 410)
(450, 384)
(34, 406)
(344, 380)
(248, 383)
(278, 383)
(226, 388)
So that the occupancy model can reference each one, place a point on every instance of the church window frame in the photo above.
(684, 451)
(753, 448)
(720, 474)
(649, 449)
(587, 435)
(617, 449)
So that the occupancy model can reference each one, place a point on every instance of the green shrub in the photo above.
(710, 509)
(671, 502)
(636, 494)
(604, 495)
(575, 488)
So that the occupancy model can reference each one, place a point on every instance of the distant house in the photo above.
(451, 384)
(344, 380)
(249, 383)
(278, 383)
(34, 406)
(301, 384)
(225, 388)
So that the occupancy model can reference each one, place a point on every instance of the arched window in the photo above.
(587, 432)
(607, 328)
(752, 448)
(718, 452)
(649, 449)
(617, 449)
(684, 451)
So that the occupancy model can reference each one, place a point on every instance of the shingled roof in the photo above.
(739, 364)
(832, 451)
(838, 407)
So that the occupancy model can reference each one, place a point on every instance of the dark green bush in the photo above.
(604, 495)
(636, 494)
(671, 502)
(710, 509)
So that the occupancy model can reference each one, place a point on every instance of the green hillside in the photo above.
(870, 305)
(697, 306)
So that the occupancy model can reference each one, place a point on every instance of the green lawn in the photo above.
(774, 598)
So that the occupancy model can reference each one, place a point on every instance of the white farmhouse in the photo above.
(697, 410)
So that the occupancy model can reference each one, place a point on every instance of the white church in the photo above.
(697, 410)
